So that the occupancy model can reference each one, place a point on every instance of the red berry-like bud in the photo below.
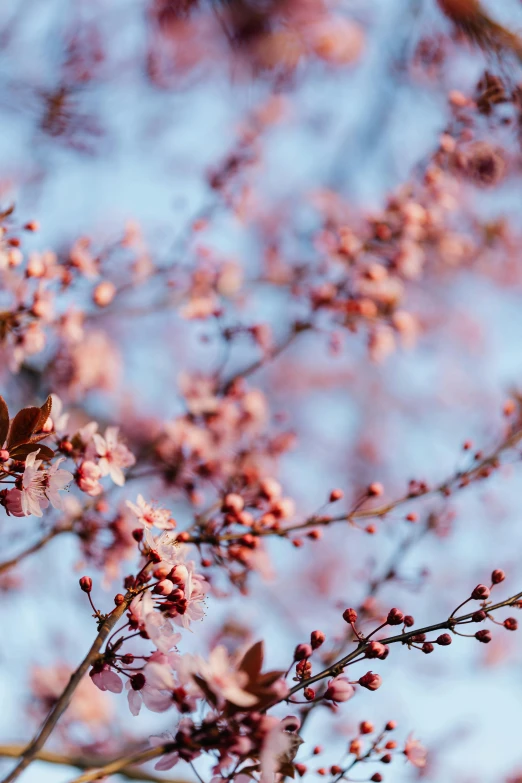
(350, 616)
(412, 517)
(370, 681)
(4, 455)
(317, 750)
(86, 584)
(444, 639)
(302, 651)
(127, 659)
(300, 769)
(119, 599)
(418, 638)
(480, 593)
(137, 681)
(137, 534)
(386, 759)
(317, 639)
(427, 648)
(303, 670)
(391, 745)
(309, 694)
(483, 636)
(511, 624)
(376, 650)
(395, 617)
(408, 621)
(479, 616)
(335, 769)
(376, 777)
(183, 537)
(336, 494)
(497, 576)
(355, 747)
(366, 727)
(391, 725)
(375, 489)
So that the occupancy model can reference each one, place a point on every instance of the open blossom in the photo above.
(39, 487)
(113, 454)
(156, 693)
(154, 622)
(225, 682)
(106, 680)
(149, 516)
(415, 752)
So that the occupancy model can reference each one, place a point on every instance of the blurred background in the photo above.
(201, 157)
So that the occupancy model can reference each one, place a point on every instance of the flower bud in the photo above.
(390, 726)
(497, 576)
(127, 659)
(511, 624)
(386, 759)
(395, 617)
(355, 747)
(444, 639)
(165, 587)
(137, 534)
(480, 593)
(375, 489)
(104, 293)
(300, 769)
(339, 689)
(119, 599)
(309, 694)
(370, 681)
(408, 621)
(427, 648)
(376, 777)
(366, 727)
(483, 636)
(350, 615)
(479, 616)
(4, 455)
(86, 584)
(302, 651)
(317, 639)
(376, 650)
(336, 494)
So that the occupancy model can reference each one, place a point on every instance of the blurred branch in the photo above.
(55, 531)
(63, 702)
(122, 763)
(477, 26)
(82, 762)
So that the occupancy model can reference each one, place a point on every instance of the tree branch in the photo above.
(55, 531)
(82, 762)
(63, 702)
(118, 764)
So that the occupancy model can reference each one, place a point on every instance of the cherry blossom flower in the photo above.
(168, 760)
(156, 693)
(41, 486)
(59, 419)
(106, 680)
(149, 516)
(225, 682)
(113, 454)
(415, 752)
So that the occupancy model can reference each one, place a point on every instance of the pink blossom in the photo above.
(149, 516)
(156, 693)
(415, 752)
(339, 689)
(107, 680)
(168, 760)
(13, 503)
(41, 486)
(113, 454)
(225, 682)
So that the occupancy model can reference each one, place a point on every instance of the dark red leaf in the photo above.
(4, 421)
(21, 452)
(252, 660)
(23, 426)
(45, 412)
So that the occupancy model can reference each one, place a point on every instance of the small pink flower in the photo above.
(113, 455)
(13, 503)
(156, 693)
(107, 680)
(225, 682)
(415, 752)
(41, 486)
(149, 516)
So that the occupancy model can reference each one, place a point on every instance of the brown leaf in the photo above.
(23, 426)
(21, 452)
(209, 695)
(45, 412)
(252, 660)
(4, 421)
